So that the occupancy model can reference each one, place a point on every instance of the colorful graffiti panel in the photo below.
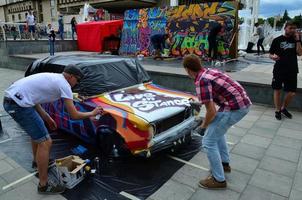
(188, 26)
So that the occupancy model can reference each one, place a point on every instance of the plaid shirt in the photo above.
(213, 85)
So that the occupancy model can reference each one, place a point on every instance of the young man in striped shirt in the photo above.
(216, 88)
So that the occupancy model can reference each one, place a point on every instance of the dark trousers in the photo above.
(51, 47)
(259, 44)
(213, 48)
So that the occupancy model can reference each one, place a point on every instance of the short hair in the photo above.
(257, 24)
(290, 23)
(192, 62)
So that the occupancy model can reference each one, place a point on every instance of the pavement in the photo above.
(266, 162)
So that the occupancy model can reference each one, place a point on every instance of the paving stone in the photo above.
(255, 193)
(2, 155)
(233, 139)
(2, 183)
(278, 166)
(215, 195)
(286, 132)
(283, 153)
(249, 150)
(243, 164)
(244, 124)
(14, 175)
(201, 159)
(5, 167)
(27, 191)
(295, 195)
(263, 132)
(292, 125)
(190, 176)
(267, 125)
(270, 119)
(53, 197)
(251, 117)
(298, 182)
(287, 142)
(272, 182)
(256, 140)
(237, 181)
(173, 190)
(237, 131)
(12, 162)
(299, 168)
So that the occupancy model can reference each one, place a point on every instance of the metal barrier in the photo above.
(19, 31)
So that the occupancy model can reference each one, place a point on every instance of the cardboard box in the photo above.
(71, 170)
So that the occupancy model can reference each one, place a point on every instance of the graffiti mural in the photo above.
(188, 25)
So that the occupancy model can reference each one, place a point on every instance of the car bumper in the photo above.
(172, 137)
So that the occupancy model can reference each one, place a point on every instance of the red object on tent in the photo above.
(91, 34)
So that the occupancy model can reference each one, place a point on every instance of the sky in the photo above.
(270, 8)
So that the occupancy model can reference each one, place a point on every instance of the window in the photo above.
(52, 3)
(13, 18)
(19, 17)
(52, 12)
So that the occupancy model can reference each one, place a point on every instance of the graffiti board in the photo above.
(188, 25)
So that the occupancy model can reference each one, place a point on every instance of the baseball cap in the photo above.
(73, 70)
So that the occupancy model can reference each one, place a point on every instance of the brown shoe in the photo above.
(211, 183)
(227, 168)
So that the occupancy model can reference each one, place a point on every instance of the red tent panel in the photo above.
(91, 34)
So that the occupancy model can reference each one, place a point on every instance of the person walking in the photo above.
(23, 99)
(215, 30)
(73, 23)
(216, 88)
(61, 27)
(30, 21)
(52, 39)
(260, 33)
(284, 50)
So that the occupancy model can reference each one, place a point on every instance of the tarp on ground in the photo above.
(91, 34)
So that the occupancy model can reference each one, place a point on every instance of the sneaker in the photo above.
(278, 115)
(226, 168)
(211, 183)
(51, 163)
(51, 188)
(286, 113)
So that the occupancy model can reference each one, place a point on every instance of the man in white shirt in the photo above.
(30, 20)
(22, 101)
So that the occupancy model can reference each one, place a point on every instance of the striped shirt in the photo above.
(214, 85)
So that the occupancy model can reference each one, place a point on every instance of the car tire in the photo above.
(105, 141)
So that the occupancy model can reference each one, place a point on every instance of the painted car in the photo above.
(140, 116)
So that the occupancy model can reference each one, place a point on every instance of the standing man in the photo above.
(22, 101)
(260, 33)
(30, 21)
(159, 42)
(73, 23)
(284, 51)
(216, 88)
(215, 30)
(52, 39)
(61, 27)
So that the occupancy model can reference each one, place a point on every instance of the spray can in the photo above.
(97, 164)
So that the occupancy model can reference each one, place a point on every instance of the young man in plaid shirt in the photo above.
(214, 87)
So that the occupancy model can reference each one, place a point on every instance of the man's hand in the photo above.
(195, 105)
(98, 111)
(298, 36)
(200, 130)
(52, 125)
(275, 57)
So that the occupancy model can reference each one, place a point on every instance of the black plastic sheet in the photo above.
(138, 176)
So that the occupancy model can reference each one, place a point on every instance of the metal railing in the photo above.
(19, 31)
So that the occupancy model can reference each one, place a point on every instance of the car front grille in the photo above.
(167, 123)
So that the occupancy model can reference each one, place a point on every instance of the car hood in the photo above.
(148, 101)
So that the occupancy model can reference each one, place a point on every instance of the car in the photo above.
(139, 117)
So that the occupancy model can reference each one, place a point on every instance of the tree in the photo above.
(271, 21)
(285, 16)
(298, 20)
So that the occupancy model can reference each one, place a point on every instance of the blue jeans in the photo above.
(29, 120)
(51, 48)
(214, 141)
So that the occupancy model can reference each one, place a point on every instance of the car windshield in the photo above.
(101, 74)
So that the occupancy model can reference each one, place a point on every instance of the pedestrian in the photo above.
(159, 42)
(22, 101)
(52, 39)
(216, 88)
(215, 30)
(30, 21)
(73, 23)
(61, 27)
(14, 32)
(284, 50)
(260, 33)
